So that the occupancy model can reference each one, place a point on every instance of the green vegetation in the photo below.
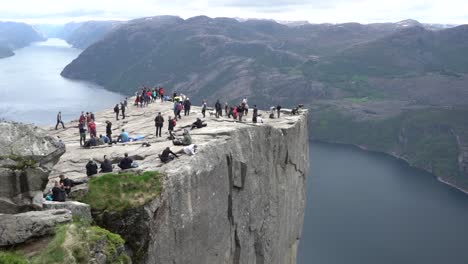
(74, 243)
(424, 137)
(12, 258)
(118, 192)
(21, 162)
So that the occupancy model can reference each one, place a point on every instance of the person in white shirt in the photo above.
(189, 150)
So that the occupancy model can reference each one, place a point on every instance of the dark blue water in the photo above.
(367, 208)
(32, 90)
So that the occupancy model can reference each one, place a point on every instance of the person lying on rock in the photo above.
(126, 162)
(189, 150)
(58, 193)
(185, 141)
(167, 155)
(91, 168)
(106, 165)
(198, 124)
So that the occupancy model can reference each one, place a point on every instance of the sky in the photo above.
(314, 11)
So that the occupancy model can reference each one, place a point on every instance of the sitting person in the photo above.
(167, 155)
(66, 183)
(106, 165)
(126, 162)
(104, 139)
(295, 111)
(91, 168)
(198, 124)
(123, 137)
(185, 141)
(92, 142)
(189, 150)
(58, 193)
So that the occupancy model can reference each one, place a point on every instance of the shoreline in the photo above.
(397, 158)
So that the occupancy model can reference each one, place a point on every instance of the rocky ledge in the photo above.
(240, 199)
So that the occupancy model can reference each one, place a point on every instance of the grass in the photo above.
(73, 243)
(118, 192)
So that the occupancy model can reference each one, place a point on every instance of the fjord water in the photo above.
(367, 208)
(32, 90)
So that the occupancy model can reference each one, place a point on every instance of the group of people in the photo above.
(61, 189)
(144, 97)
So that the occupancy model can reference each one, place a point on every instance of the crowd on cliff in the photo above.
(144, 97)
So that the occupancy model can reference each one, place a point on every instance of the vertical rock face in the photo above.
(239, 200)
(27, 155)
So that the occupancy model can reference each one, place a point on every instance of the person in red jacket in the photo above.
(92, 128)
(161, 94)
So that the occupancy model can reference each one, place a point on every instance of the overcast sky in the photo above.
(314, 11)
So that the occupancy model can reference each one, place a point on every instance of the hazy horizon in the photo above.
(313, 11)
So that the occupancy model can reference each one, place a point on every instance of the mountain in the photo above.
(83, 34)
(398, 88)
(16, 35)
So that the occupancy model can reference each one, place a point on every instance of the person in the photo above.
(91, 168)
(59, 121)
(189, 150)
(109, 130)
(198, 124)
(186, 140)
(92, 117)
(82, 130)
(226, 108)
(295, 111)
(244, 105)
(104, 139)
(278, 110)
(82, 118)
(88, 118)
(218, 108)
(126, 102)
(180, 106)
(171, 125)
(123, 137)
(161, 93)
(126, 162)
(66, 183)
(167, 155)
(58, 193)
(92, 142)
(203, 110)
(106, 165)
(159, 122)
(116, 111)
(187, 105)
(255, 114)
(240, 112)
(122, 109)
(92, 128)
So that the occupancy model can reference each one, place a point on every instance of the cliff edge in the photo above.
(240, 199)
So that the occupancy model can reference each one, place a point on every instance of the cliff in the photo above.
(239, 200)
(16, 35)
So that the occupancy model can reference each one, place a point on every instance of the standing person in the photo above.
(91, 116)
(171, 125)
(109, 130)
(240, 111)
(126, 102)
(218, 108)
(161, 93)
(82, 130)
(159, 122)
(180, 106)
(88, 118)
(226, 108)
(116, 111)
(59, 120)
(278, 109)
(122, 109)
(187, 105)
(92, 128)
(255, 114)
(203, 110)
(82, 117)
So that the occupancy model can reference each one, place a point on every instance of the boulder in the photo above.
(19, 228)
(27, 155)
(77, 209)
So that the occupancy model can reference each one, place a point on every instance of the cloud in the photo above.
(315, 11)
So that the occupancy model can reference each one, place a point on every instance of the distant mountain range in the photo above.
(16, 35)
(398, 88)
